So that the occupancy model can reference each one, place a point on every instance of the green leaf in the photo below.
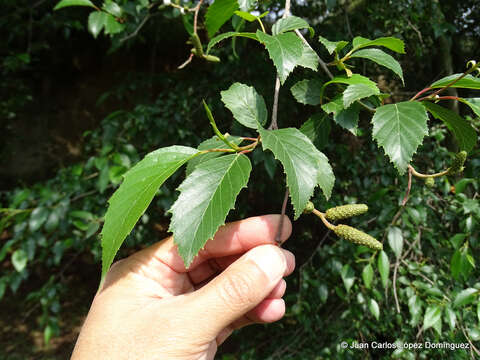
(332, 45)
(367, 276)
(346, 118)
(218, 14)
(246, 105)
(134, 195)
(227, 35)
(309, 58)
(317, 129)
(399, 129)
(212, 143)
(464, 133)
(47, 334)
(468, 82)
(450, 318)
(37, 218)
(465, 297)
(391, 43)
(395, 240)
(289, 23)
(381, 58)
(354, 79)
(383, 267)
(304, 165)
(112, 26)
(65, 3)
(307, 91)
(432, 314)
(474, 104)
(245, 15)
(415, 308)
(19, 260)
(112, 8)
(356, 92)
(206, 197)
(285, 50)
(96, 22)
(374, 308)
(348, 277)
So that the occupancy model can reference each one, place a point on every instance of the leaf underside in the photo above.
(246, 105)
(284, 49)
(400, 129)
(206, 197)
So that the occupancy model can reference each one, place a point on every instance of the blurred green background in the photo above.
(76, 113)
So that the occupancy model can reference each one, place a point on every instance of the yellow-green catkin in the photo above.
(429, 182)
(457, 163)
(358, 237)
(308, 208)
(345, 211)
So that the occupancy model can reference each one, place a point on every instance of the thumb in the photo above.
(240, 287)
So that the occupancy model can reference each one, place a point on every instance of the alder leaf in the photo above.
(289, 23)
(309, 58)
(212, 143)
(307, 91)
(96, 22)
(65, 3)
(246, 105)
(356, 92)
(206, 197)
(218, 14)
(467, 82)
(346, 118)
(112, 26)
(134, 195)
(354, 79)
(381, 58)
(391, 43)
(400, 129)
(464, 133)
(317, 129)
(332, 45)
(305, 166)
(285, 50)
(474, 104)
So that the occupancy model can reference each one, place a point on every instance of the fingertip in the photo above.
(269, 310)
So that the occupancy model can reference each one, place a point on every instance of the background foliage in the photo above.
(77, 113)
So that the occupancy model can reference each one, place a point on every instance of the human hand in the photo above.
(151, 307)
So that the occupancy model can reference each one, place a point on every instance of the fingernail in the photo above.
(270, 260)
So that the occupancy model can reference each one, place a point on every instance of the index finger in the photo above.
(231, 239)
